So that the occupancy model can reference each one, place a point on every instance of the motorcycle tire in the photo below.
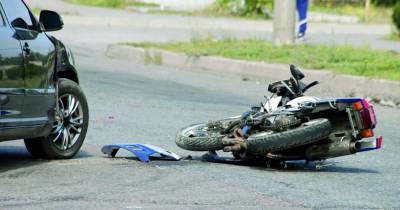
(200, 138)
(309, 132)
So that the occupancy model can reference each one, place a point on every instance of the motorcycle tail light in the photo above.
(367, 113)
(367, 133)
(368, 117)
(358, 105)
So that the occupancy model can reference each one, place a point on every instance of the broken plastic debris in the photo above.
(141, 151)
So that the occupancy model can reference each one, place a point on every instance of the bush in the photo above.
(245, 7)
(396, 16)
(386, 3)
(102, 3)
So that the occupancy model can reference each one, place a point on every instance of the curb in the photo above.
(331, 84)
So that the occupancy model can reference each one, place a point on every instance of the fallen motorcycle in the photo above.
(289, 126)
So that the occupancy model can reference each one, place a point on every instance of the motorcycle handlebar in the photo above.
(310, 85)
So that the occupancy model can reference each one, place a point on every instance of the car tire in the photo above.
(70, 127)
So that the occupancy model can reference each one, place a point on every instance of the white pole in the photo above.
(284, 22)
(366, 14)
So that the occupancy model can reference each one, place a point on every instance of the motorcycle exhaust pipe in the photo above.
(339, 148)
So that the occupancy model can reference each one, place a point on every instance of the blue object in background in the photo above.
(141, 151)
(302, 6)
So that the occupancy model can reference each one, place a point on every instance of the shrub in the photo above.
(396, 16)
(245, 7)
(386, 3)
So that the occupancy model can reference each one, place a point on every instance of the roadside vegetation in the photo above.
(396, 21)
(36, 11)
(394, 36)
(376, 14)
(379, 10)
(242, 8)
(342, 59)
(113, 3)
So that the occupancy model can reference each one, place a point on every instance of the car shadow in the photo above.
(16, 157)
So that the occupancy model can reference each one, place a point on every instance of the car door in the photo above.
(11, 76)
(39, 62)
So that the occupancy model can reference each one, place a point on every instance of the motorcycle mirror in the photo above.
(297, 74)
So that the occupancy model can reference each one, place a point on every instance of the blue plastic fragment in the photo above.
(245, 129)
(141, 151)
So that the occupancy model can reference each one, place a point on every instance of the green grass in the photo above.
(393, 37)
(211, 11)
(342, 59)
(36, 11)
(376, 14)
(205, 12)
(113, 3)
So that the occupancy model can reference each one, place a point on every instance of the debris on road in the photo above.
(142, 151)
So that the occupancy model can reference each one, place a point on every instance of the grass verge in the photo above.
(375, 15)
(113, 3)
(393, 37)
(342, 59)
(36, 11)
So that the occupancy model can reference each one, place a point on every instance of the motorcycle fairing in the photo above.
(272, 104)
(142, 151)
(296, 103)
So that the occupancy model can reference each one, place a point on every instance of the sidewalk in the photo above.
(106, 26)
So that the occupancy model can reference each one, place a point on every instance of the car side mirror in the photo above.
(297, 74)
(19, 23)
(51, 21)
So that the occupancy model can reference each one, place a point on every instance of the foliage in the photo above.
(342, 59)
(112, 3)
(376, 14)
(386, 3)
(396, 16)
(244, 7)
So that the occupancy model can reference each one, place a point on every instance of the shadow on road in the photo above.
(16, 157)
(295, 166)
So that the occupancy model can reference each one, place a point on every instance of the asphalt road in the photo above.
(147, 104)
(132, 103)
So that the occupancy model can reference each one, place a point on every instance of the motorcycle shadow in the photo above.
(285, 166)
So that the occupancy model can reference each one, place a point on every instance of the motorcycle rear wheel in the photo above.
(200, 138)
(307, 133)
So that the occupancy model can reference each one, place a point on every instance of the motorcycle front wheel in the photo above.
(204, 136)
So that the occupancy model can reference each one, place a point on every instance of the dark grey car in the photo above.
(40, 97)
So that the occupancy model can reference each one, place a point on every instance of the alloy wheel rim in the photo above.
(67, 127)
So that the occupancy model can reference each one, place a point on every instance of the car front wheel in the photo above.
(70, 127)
